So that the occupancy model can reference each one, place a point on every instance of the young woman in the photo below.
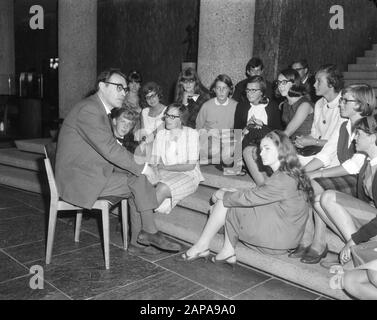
(132, 99)
(256, 116)
(297, 109)
(343, 165)
(152, 114)
(218, 113)
(355, 219)
(175, 160)
(191, 93)
(270, 217)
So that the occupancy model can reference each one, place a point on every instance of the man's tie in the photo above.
(368, 179)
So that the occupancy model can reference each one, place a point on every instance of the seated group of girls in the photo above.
(300, 156)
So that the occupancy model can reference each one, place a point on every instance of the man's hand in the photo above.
(345, 253)
(304, 141)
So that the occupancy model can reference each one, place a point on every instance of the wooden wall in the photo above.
(146, 35)
(291, 29)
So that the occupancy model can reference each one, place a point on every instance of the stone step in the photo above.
(371, 53)
(26, 160)
(215, 178)
(374, 47)
(372, 75)
(362, 67)
(24, 179)
(372, 83)
(32, 145)
(366, 60)
(200, 200)
(187, 225)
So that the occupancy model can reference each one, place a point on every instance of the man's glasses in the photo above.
(252, 90)
(341, 100)
(171, 116)
(283, 82)
(119, 86)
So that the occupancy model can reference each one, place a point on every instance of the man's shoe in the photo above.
(159, 241)
(142, 250)
(311, 256)
(298, 252)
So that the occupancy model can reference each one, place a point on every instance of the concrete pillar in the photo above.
(7, 56)
(77, 33)
(226, 31)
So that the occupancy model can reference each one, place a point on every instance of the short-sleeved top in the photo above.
(150, 124)
(178, 149)
(289, 112)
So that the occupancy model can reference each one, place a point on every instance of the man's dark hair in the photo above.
(254, 63)
(303, 62)
(102, 77)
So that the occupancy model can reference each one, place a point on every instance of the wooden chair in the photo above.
(57, 204)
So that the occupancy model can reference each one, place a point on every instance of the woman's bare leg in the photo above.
(361, 284)
(215, 221)
(162, 192)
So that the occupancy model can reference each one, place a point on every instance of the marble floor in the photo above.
(77, 269)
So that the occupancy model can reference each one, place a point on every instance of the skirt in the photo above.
(346, 184)
(180, 184)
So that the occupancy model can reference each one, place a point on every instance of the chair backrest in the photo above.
(51, 178)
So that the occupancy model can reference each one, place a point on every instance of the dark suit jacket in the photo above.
(87, 153)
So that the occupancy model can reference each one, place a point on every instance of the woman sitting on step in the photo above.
(271, 217)
(174, 163)
(355, 219)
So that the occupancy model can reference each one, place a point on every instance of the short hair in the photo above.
(297, 89)
(226, 79)
(151, 87)
(334, 76)
(106, 75)
(262, 84)
(254, 62)
(124, 112)
(134, 76)
(183, 111)
(364, 94)
(368, 124)
(303, 62)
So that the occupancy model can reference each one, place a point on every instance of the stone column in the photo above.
(77, 30)
(226, 32)
(7, 56)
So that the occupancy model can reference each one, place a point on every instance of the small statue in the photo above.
(192, 42)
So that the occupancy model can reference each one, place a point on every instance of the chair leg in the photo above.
(124, 209)
(78, 226)
(105, 226)
(51, 231)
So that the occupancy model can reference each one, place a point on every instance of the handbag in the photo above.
(309, 150)
(364, 252)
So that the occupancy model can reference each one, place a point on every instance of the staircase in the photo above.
(364, 71)
(24, 169)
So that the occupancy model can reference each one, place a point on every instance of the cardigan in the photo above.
(272, 110)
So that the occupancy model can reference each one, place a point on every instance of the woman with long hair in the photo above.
(191, 93)
(132, 99)
(271, 217)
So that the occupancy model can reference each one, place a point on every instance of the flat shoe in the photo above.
(204, 254)
(298, 252)
(311, 256)
(159, 241)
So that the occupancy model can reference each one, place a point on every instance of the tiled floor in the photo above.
(77, 269)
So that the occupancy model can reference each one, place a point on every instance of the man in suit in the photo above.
(307, 79)
(90, 163)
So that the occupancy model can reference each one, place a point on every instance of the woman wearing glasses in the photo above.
(152, 114)
(256, 116)
(175, 160)
(191, 93)
(298, 111)
(336, 168)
